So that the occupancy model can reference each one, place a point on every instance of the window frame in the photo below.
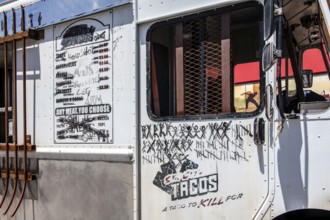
(217, 11)
(325, 57)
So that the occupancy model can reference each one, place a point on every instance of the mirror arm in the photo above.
(294, 61)
(279, 58)
(278, 11)
(325, 59)
(323, 35)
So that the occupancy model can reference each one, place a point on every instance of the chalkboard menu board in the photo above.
(83, 81)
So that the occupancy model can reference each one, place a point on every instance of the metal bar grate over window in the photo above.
(193, 63)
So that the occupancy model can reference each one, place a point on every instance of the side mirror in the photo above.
(307, 78)
(268, 57)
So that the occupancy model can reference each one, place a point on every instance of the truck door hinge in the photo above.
(259, 131)
(278, 11)
(277, 53)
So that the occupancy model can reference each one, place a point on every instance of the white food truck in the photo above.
(165, 109)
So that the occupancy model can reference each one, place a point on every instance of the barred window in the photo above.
(206, 64)
(6, 91)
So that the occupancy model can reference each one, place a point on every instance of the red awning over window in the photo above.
(312, 60)
(250, 72)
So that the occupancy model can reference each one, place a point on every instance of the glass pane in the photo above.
(198, 65)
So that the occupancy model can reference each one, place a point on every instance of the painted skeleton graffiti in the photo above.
(179, 148)
(219, 141)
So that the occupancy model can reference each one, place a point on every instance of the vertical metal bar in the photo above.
(154, 83)
(294, 62)
(325, 35)
(325, 58)
(14, 72)
(179, 70)
(202, 63)
(6, 113)
(279, 62)
(287, 77)
(225, 63)
(24, 117)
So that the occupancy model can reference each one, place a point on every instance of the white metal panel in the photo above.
(302, 160)
(326, 12)
(237, 172)
(124, 70)
(36, 80)
(150, 10)
(40, 89)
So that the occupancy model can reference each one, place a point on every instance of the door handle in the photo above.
(269, 102)
(259, 131)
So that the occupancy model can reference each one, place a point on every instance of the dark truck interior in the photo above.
(305, 68)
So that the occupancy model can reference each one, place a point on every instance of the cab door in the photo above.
(204, 135)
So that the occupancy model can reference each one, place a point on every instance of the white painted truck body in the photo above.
(103, 152)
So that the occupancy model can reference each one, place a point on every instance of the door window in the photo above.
(206, 64)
